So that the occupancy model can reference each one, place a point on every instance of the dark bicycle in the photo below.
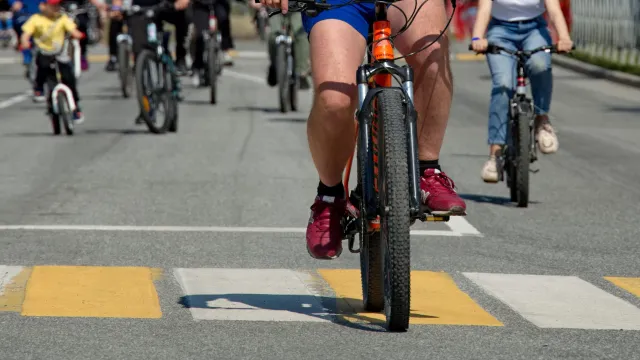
(288, 82)
(212, 54)
(386, 200)
(520, 150)
(157, 82)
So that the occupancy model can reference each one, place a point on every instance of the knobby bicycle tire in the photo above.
(123, 69)
(64, 112)
(523, 149)
(394, 209)
(371, 266)
(283, 78)
(212, 66)
(294, 84)
(145, 58)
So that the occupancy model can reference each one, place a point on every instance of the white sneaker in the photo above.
(546, 139)
(228, 60)
(491, 170)
(195, 78)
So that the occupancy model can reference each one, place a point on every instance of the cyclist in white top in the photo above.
(518, 25)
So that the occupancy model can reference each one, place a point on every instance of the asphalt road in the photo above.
(213, 263)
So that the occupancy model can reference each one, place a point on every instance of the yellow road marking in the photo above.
(92, 291)
(435, 299)
(630, 284)
(13, 292)
(469, 57)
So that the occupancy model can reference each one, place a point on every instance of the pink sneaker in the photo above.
(438, 194)
(324, 231)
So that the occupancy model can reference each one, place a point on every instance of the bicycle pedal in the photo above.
(434, 218)
(351, 241)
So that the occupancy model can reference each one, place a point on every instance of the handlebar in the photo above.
(496, 49)
(314, 7)
(136, 9)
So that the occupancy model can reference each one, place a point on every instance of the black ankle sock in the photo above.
(336, 190)
(428, 164)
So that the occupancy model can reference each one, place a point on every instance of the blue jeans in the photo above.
(523, 36)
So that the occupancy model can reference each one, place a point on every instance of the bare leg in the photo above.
(336, 52)
(433, 82)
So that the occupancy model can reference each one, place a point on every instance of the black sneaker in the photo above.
(112, 65)
(272, 77)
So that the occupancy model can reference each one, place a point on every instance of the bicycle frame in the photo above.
(372, 78)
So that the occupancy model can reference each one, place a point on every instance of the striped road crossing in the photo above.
(319, 296)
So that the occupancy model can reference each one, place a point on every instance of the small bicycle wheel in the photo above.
(123, 68)
(283, 78)
(64, 113)
(523, 148)
(395, 222)
(212, 68)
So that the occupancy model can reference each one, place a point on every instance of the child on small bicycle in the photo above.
(49, 29)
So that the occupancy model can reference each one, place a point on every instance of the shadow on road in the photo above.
(489, 199)
(255, 108)
(629, 109)
(336, 310)
(80, 132)
(288, 120)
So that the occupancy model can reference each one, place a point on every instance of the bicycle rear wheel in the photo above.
(393, 182)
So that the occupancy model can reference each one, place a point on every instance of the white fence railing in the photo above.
(608, 29)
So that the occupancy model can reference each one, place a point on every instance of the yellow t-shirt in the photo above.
(49, 33)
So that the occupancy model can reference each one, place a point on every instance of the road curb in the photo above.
(596, 71)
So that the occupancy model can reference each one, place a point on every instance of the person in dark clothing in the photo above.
(138, 30)
(82, 21)
(115, 28)
(200, 18)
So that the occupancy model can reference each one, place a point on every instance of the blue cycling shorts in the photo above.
(359, 15)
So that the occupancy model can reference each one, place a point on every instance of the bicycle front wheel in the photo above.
(151, 92)
(523, 148)
(212, 68)
(123, 68)
(283, 78)
(393, 182)
(64, 112)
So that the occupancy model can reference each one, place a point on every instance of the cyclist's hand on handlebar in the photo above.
(565, 45)
(480, 45)
(116, 15)
(181, 4)
(278, 4)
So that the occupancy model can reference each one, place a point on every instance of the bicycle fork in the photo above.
(288, 41)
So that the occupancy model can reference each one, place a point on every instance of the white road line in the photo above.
(9, 60)
(252, 78)
(224, 229)
(250, 295)
(14, 100)
(560, 301)
(247, 54)
(460, 225)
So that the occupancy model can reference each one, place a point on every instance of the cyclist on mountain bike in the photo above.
(301, 47)
(338, 40)
(200, 19)
(518, 25)
(137, 25)
(48, 30)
